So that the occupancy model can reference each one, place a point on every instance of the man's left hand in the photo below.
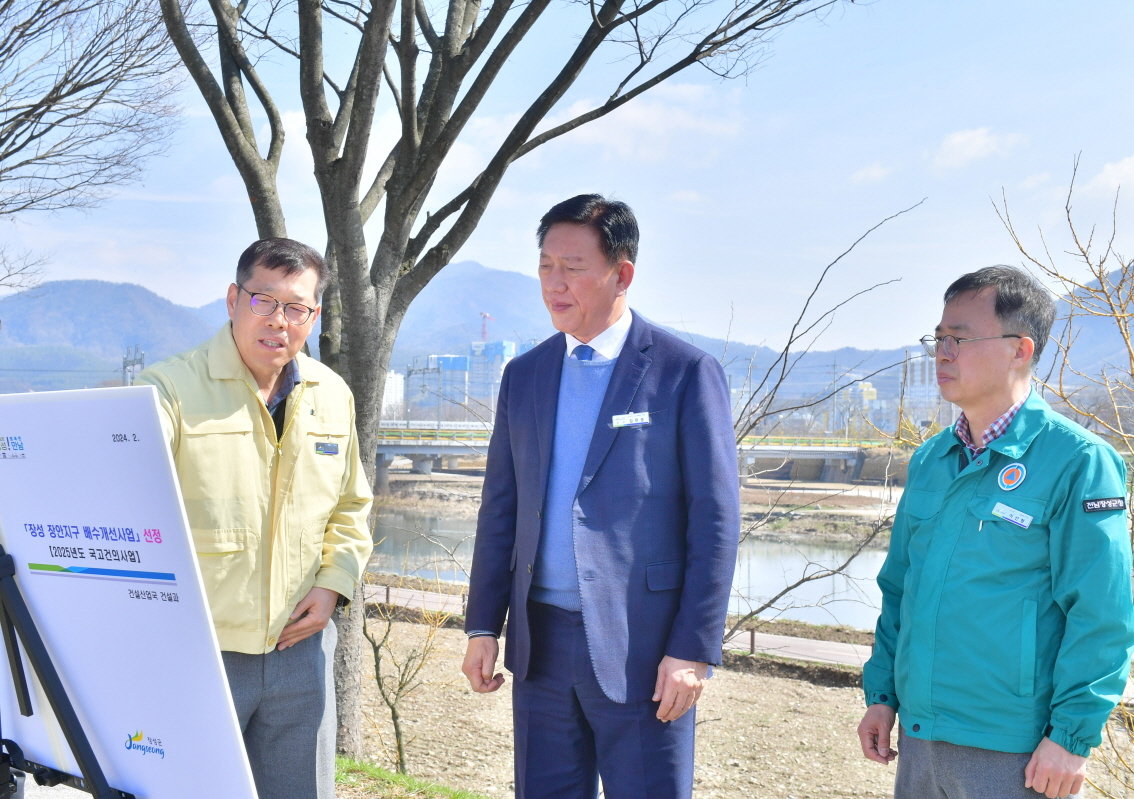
(678, 687)
(1053, 771)
(309, 617)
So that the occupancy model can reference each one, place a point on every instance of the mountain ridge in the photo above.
(73, 333)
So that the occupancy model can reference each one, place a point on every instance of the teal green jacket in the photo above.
(1006, 593)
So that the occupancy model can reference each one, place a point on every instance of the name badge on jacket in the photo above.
(640, 419)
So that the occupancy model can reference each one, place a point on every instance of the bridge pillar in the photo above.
(422, 464)
(452, 462)
(382, 475)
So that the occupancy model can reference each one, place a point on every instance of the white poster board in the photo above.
(91, 512)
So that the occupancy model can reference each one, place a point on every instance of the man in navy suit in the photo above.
(608, 529)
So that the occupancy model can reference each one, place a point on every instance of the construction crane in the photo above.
(484, 317)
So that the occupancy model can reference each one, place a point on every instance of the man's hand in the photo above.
(480, 661)
(874, 733)
(1053, 771)
(309, 617)
(678, 686)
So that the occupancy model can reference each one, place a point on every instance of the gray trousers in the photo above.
(282, 701)
(939, 770)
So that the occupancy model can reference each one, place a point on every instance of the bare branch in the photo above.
(813, 572)
(85, 98)
(19, 270)
(1099, 298)
(761, 400)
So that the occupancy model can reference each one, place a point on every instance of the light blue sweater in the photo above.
(581, 391)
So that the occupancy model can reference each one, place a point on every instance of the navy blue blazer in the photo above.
(656, 514)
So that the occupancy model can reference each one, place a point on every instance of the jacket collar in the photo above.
(225, 362)
(629, 371)
(1029, 421)
(1027, 424)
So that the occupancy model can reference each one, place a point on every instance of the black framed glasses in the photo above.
(950, 346)
(296, 313)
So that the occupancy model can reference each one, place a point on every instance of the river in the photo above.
(437, 547)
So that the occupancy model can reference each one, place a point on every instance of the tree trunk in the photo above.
(367, 358)
(349, 669)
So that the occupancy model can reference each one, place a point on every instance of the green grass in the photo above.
(379, 783)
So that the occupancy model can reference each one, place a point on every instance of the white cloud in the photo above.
(871, 174)
(1113, 175)
(1035, 181)
(672, 121)
(966, 146)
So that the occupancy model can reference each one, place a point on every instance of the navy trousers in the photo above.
(568, 734)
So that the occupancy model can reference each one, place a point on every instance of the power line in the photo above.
(69, 371)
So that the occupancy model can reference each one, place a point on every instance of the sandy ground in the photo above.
(757, 735)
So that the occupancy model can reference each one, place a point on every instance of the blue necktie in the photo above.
(584, 352)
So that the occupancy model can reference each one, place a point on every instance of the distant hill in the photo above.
(98, 317)
(1097, 344)
(74, 333)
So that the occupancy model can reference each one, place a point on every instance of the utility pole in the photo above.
(133, 362)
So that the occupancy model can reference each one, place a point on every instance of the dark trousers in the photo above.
(568, 734)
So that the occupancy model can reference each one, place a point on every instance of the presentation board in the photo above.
(91, 512)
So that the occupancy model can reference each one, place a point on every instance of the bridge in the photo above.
(429, 445)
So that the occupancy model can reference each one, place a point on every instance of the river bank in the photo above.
(838, 514)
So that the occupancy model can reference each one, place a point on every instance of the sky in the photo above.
(744, 189)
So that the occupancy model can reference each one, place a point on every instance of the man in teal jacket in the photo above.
(1006, 627)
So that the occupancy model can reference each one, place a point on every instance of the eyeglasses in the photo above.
(265, 305)
(951, 345)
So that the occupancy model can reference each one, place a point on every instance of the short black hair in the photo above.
(611, 219)
(1022, 305)
(288, 255)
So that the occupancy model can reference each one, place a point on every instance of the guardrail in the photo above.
(400, 435)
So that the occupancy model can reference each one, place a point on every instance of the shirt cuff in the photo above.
(481, 633)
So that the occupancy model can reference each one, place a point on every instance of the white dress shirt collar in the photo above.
(607, 344)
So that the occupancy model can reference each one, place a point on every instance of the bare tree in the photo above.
(18, 270)
(1097, 283)
(84, 100)
(398, 672)
(764, 397)
(437, 62)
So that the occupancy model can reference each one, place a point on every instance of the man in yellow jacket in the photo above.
(264, 441)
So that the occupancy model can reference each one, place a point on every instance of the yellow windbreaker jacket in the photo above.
(270, 518)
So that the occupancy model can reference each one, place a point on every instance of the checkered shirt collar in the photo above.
(994, 431)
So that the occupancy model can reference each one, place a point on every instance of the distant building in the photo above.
(438, 388)
(394, 396)
(455, 388)
(923, 403)
(487, 360)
